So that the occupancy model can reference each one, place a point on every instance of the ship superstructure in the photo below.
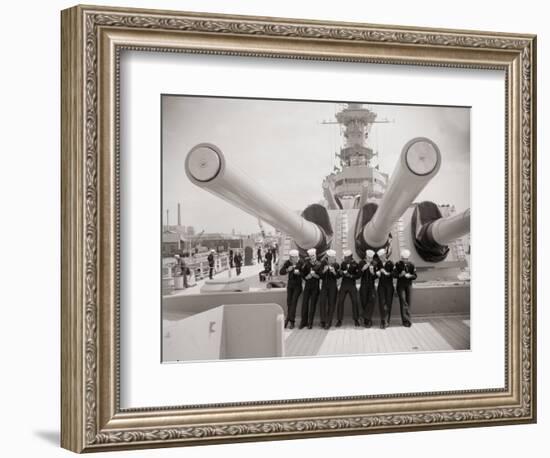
(357, 178)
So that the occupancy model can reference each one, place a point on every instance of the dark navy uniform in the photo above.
(311, 289)
(266, 273)
(367, 290)
(293, 288)
(349, 271)
(210, 265)
(268, 256)
(238, 260)
(329, 291)
(385, 290)
(404, 288)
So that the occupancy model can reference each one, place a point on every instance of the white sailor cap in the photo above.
(405, 254)
(331, 253)
(212, 251)
(347, 253)
(370, 254)
(293, 253)
(381, 252)
(176, 256)
(312, 252)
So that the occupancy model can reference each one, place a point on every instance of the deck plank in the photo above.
(450, 333)
(427, 334)
(460, 332)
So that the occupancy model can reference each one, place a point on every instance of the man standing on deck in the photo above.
(405, 272)
(180, 268)
(384, 272)
(268, 255)
(330, 271)
(238, 260)
(349, 271)
(311, 272)
(211, 264)
(367, 290)
(259, 255)
(292, 267)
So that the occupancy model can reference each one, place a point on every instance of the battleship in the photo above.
(360, 208)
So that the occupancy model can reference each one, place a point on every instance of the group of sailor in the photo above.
(317, 282)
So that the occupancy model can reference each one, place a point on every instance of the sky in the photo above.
(284, 147)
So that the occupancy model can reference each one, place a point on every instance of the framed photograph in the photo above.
(277, 228)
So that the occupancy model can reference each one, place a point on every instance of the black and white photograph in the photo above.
(306, 228)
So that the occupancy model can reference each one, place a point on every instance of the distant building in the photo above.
(172, 243)
(177, 228)
(215, 241)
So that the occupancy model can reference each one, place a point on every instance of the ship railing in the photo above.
(201, 267)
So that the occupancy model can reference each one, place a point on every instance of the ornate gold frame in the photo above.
(92, 38)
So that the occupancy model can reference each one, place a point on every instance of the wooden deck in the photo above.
(428, 333)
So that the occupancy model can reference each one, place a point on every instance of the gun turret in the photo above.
(418, 163)
(207, 168)
(432, 233)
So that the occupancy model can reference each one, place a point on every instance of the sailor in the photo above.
(384, 272)
(330, 271)
(266, 273)
(176, 269)
(183, 270)
(311, 272)
(238, 260)
(367, 290)
(211, 264)
(259, 255)
(230, 259)
(268, 256)
(405, 272)
(349, 271)
(292, 267)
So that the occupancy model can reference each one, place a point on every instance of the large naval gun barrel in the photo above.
(419, 161)
(207, 168)
(444, 230)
